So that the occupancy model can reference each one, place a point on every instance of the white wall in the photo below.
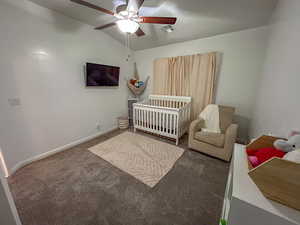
(243, 56)
(41, 60)
(278, 106)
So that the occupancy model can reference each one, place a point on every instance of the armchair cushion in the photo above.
(216, 139)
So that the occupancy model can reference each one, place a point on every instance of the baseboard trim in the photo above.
(56, 150)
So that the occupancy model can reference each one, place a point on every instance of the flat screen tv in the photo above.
(101, 75)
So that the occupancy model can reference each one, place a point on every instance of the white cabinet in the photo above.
(244, 204)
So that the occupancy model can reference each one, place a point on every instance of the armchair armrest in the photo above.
(196, 125)
(230, 138)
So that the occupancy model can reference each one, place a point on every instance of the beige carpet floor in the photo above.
(144, 158)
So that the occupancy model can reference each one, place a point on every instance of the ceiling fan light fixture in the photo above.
(124, 13)
(128, 26)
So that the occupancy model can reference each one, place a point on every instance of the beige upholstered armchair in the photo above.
(219, 145)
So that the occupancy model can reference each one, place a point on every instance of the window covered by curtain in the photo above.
(192, 75)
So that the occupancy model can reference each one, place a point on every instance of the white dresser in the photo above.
(244, 204)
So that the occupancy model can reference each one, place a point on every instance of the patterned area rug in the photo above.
(146, 159)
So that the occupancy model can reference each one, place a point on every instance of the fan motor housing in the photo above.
(121, 8)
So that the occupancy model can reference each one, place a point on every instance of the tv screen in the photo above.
(102, 75)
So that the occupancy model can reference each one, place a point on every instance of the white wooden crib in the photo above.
(164, 115)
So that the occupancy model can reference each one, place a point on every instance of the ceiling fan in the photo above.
(127, 16)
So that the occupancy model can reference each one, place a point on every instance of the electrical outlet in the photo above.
(99, 126)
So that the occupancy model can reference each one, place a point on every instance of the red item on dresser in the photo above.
(263, 155)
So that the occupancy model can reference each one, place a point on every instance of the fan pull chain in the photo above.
(127, 44)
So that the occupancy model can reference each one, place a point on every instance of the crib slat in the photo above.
(151, 117)
(156, 120)
(139, 117)
(167, 123)
(148, 118)
(135, 116)
(153, 120)
(159, 120)
(171, 124)
(175, 124)
(156, 128)
(163, 122)
(143, 111)
(180, 123)
(144, 118)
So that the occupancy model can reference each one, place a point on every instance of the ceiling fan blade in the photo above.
(140, 32)
(105, 26)
(81, 2)
(159, 20)
(134, 5)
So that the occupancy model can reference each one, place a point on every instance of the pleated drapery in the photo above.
(192, 75)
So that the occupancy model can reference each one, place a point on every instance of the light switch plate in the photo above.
(14, 102)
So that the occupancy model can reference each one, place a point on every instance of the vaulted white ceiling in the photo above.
(195, 18)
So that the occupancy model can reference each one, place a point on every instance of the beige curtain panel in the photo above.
(192, 75)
